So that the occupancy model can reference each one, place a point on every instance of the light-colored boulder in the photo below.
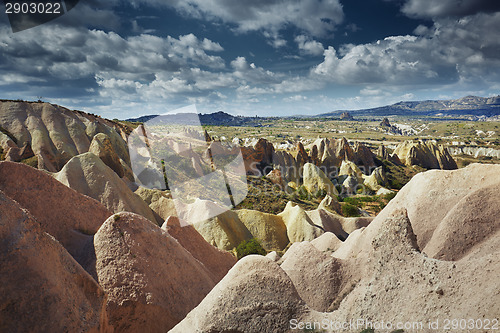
(152, 282)
(425, 154)
(255, 296)
(315, 180)
(317, 276)
(299, 226)
(331, 204)
(224, 231)
(42, 288)
(350, 186)
(87, 174)
(348, 168)
(375, 180)
(268, 229)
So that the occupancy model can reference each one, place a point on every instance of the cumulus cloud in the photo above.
(316, 17)
(447, 8)
(449, 52)
(72, 53)
(308, 46)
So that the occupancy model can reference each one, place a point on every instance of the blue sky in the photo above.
(124, 59)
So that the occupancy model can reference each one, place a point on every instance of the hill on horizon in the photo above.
(468, 105)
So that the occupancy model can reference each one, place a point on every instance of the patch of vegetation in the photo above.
(32, 161)
(398, 175)
(247, 247)
(267, 197)
(86, 232)
(116, 217)
(349, 210)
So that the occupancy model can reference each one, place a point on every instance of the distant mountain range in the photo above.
(469, 105)
(217, 118)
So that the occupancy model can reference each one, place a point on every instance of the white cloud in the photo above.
(449, 52)
(295, 98)
(309, 46)
(316, 17)
(446, 8)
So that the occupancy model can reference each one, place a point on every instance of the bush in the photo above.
(390, 196)
(247, 247)
(349, 210)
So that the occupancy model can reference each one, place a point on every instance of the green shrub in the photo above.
(247, 247)
(389, 196)
(368, 330)
(349, 210)
(32, 161)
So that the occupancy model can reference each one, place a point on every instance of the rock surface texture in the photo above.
(42, 288)
(433, 252)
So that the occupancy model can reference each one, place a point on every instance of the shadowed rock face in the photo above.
(101, 147)
(152, 282)
(70, 217)
(54, 133)
(42, 288)
(218, 262)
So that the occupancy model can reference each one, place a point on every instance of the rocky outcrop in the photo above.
(348, 168)
(315, 180)
(101, 147)
(224, 231)
(87, 174)
(218, 262)
(376, 180)
(38, 277)
(152, 282)
(318, 277)
(381, 272)
(425, 154)
(55, 134)
(299, 226)
(70, 217)
(331, 204)
(269, 229)
(255, 296)
(346, 116)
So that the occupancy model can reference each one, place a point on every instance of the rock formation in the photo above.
(255, 296)
(70, 217)
(87, 174)
(218, 262)
(151, 281)
(269, 229)
(53, 133)
(42, 288)
(101, 147)
(381, 272)
(346, 116)
(315, 180)
(299, 226)
(425, 154)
